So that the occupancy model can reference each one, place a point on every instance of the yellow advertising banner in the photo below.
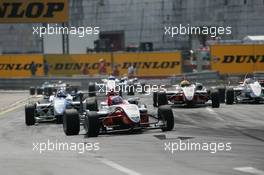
(150, 63)
(20, 65)
(146, 64)
(33, 11)
(67, 65)
(237, 59)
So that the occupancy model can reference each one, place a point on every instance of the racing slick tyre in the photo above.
(92, 89)
(32, 90)
(59, 119)
(215, 99)
(165, 113)
(39, 91)
(155, 97)
(230, 95)
(162, 99)
(71, 122)
(131, 90)
(92, 124)
(48, 91)
(221, 91)
(30, 114)
(91, 104)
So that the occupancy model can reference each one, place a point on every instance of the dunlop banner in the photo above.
(67, 65)
(146, 64)
(236, 59)
(19, 65)
(33, 11)
(150, 63)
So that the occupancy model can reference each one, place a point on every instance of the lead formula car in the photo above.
(116, 114)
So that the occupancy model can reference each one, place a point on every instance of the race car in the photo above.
(116, 115)
(51, 109)
(48, 88)
(122, 85)
(248, 91)
(187, 94)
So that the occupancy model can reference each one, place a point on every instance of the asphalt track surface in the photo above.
(137, 153)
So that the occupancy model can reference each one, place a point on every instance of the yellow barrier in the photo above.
(150, 64)
(146, 64)
(19, 65)
(67, 65)
(236, 59)
(33, 11)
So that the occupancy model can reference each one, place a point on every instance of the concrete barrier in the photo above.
(203, 77)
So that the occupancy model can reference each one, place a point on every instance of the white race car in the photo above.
(248, 91)
(116, 114)
(187, 94)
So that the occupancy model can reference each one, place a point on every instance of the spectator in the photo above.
(102, 67)
(33, 69)
(85, 70)
(116, 71)
(46, 67)
(131, 71)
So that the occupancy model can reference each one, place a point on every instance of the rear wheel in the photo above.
(92, 124)
(91, 104)
(230, 96)
(215, 99)
(165, 113)
(71, 122)
(162, 99)
(155, 97)
(39, 91)
(92, 89)
(30, 114)
(48, 91)
(131, 90)
(32, 90)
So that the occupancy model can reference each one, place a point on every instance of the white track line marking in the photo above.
(11, 109)
(250, 170)
(214, 113)
(118, 167)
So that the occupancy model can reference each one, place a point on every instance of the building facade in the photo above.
(133, 22)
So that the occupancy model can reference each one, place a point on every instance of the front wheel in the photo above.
(71, 122)
(59, 119)
(92, 124)
(165, 113)
(230, 96)
(215, 99)
(30, 114)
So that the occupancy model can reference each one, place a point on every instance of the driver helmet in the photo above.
(111, 78)
(116, 100)
(61, 93)
(185, 83)
(248, 80)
